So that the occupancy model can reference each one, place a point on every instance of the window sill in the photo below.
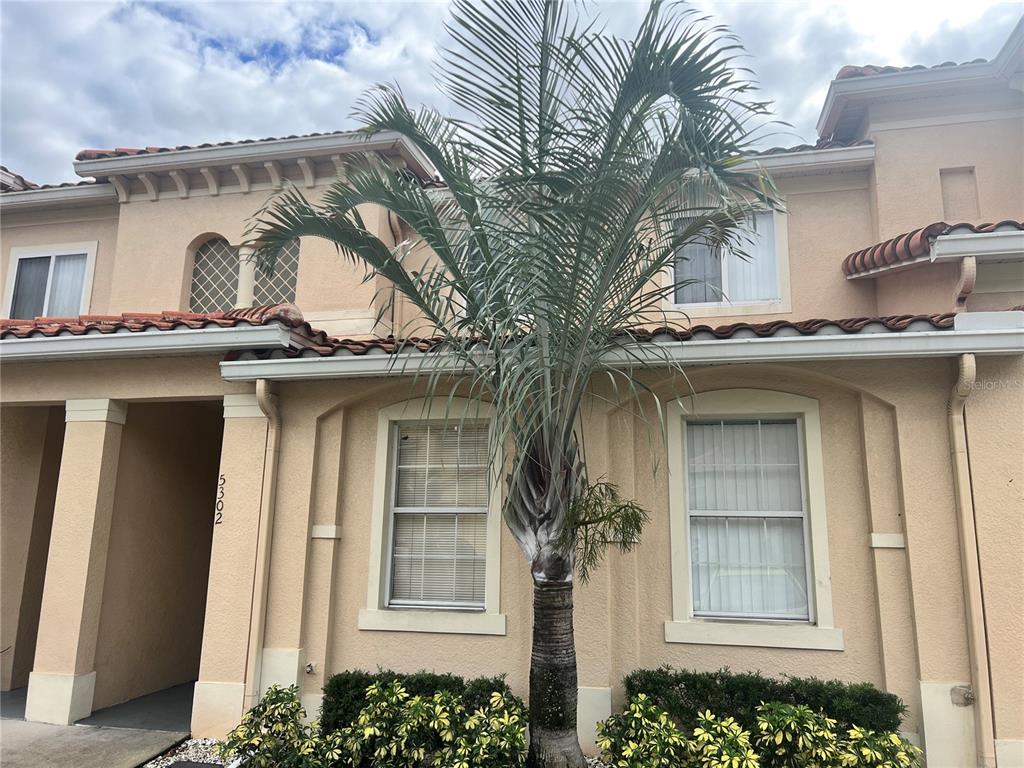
(805, 636)
(438, 622)
(725, 309)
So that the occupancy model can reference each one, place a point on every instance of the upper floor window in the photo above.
(216, 285)
(710, 276)
(214, 277)
(49, 281)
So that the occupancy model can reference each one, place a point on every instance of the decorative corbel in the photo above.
(339, 166)
(242, 174)
(308, 177)
(211, 180)
(121, 187)
(965, 285)
(274, 169)
(180, 179)
(149, 182)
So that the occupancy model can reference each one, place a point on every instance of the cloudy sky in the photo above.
(91, 74)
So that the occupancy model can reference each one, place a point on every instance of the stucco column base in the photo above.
(59, 699)
(216, 708)
(281, 666)
(948, 729)
(1010, 753)
(592, 706)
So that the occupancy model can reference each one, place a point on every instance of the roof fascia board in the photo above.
(181, 341)
(908, 344)
(58, 196)
(1006, 245)
(813, 161)
(840, 92)
(257, 151)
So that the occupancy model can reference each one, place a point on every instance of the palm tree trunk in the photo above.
(553, 740)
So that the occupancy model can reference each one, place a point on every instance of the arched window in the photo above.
(214, 277)
(279, 288)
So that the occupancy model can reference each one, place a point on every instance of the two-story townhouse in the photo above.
(202, 482)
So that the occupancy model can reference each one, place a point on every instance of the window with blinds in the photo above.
(707, 275)
(747, 516)
(50, 286)
(439, 515)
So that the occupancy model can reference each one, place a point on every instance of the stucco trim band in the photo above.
(242, 406)
(593, 705)
(95, 409)
(888, 541)
(59, 699)
(216, 708)
(325, 532)
(1010, 753)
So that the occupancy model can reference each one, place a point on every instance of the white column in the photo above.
(246, 278)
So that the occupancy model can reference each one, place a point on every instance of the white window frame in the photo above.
(818, 633)
(781, 305)
(378, 615)
(53, 251)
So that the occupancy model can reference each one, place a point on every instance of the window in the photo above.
(439, 515)
(50, 280)
(435, 536)
(747, 519)
(748, 527)
(730, 277)
(279, 288)
(214, 277)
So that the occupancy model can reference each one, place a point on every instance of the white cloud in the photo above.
(92, 74)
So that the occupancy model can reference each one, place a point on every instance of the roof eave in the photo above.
(813, 161)
(122, 344)
(842, 92)
(257, 151)
(58, 197)
(1002, 334)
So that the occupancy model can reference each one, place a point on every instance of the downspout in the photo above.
(261, 576)
(970, 562)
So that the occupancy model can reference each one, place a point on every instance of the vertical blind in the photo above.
(439, 515)
(49, 285)
(747, 519)
(730, 277)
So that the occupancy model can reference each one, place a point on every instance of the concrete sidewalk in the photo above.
(38, 745)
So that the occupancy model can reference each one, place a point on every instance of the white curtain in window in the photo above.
(66, 285)
(755, 278)
(747, 510)
(30, 287)
(698, 262)
(439, 518)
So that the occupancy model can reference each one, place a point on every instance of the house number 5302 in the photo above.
(218, 516)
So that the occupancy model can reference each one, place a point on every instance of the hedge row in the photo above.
(685, 694)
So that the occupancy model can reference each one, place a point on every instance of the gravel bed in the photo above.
(194, 750)
(593, 762)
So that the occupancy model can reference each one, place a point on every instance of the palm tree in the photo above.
(582, 164)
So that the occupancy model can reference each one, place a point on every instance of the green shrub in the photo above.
(685, 694)
(794, 736)
(787, 736)
(492, 736)
(642, 737)
(345, 692)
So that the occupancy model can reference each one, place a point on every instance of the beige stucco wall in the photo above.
(995, 430)
(151, 622)
(31, 443)
(73, 225)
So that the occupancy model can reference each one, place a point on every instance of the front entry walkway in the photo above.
(124, 736)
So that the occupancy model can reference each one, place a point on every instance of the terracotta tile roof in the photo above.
(819, 144)
(139, 322)
(913, 245)
(102, 154)
(870, 70)
(332, 347)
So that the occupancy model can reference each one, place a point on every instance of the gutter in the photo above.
(26, 199)
(984, 333)
(181, 341)
(977, 641)
(813, 161)
(261, 577)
